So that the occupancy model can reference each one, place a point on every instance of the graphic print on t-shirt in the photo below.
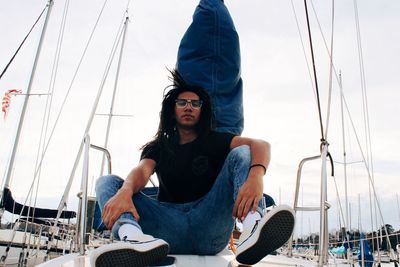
(200, 165)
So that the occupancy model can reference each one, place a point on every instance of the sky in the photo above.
(279, 99)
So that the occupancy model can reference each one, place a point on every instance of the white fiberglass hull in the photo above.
(225, 258)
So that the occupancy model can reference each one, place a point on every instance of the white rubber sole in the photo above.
(272, 231)
(129, 254)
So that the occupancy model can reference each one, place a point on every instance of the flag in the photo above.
(6, 100)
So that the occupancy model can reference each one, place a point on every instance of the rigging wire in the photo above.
(50, 93)
(304, 49)
(346, 195)
(364, 161)
(108, 66)
(324, 39)
(111, 111)
(369, 161)
(58, 116)
(106, 72)
(66, 96)
(23, 41)
(48, 105)
(325, 43)
(315, 73)
(363, 84)
(127, 8)
(324, 236)
(330, 56)
(341, 214)
(330, 71)
(367, 128)
(11, 162)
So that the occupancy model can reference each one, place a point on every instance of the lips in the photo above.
(187, 116)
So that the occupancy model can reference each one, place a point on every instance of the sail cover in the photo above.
(10, 205)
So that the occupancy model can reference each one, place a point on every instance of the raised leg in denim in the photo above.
(162, 220)
(209, 56)
(212, 215)
(200, 227)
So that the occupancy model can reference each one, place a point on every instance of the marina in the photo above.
(97, 61)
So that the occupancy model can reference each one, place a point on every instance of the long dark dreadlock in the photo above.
(167, 133)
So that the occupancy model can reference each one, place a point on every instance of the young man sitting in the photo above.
(208, 174)
(207, 179)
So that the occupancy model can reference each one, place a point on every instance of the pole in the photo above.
(10, 167)
(110, 115)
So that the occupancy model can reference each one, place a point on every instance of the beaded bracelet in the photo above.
(259, 165)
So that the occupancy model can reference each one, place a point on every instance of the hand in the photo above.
(248, 197)
(118, 204)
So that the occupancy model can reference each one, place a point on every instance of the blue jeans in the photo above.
(201, 227)
(209, 56)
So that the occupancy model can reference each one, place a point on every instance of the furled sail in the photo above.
(10, 205)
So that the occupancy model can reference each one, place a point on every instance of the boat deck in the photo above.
(223, 259)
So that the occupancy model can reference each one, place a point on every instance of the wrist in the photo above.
(258, 166)
(126, 191)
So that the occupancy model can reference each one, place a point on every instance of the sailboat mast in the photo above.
(344, 153)
(64, 197)
(110, 115)
(10, 167)
(323, 232)
(346, 195)
(323, 235)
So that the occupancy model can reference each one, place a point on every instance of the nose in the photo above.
(189, 107)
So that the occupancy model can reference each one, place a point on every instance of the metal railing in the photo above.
(83, 194)
(322, 208)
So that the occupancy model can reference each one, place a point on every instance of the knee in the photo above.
(107, 180)
(241, 153)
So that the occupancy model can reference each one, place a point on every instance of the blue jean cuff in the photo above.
(120, 222)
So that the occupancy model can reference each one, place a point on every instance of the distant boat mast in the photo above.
(10, 167)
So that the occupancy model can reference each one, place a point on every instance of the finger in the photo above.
(255, 206)
(247, 208)
(106, 213)
(110, 218)
(108, 224)
(241, 209)
(236, 206)
(135, 213)
(114, 216)
(105, 217)
(111, 222)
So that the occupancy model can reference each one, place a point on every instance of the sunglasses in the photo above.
(182, 103)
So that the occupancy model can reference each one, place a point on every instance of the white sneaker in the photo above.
(267, 235)
(144, 252)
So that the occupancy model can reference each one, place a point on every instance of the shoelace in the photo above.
(254, 227)
(251, 233)
(125, 239)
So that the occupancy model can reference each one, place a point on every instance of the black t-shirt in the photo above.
(191, 172)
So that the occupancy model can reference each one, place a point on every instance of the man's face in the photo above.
(187, 110)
